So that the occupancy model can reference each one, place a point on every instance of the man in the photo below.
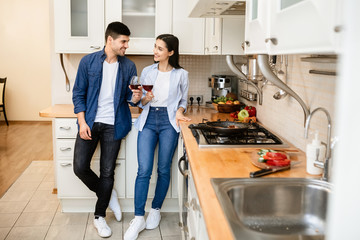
(101, 95)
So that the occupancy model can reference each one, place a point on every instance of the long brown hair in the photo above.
(172, 44)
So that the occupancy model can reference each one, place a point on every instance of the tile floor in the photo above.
(29, 210)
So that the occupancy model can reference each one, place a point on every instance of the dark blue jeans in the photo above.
(83, 153)
(157, 129)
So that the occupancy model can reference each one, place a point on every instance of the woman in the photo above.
(158, 123)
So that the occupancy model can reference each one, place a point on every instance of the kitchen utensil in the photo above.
(281, 93)
(267, 169)
(222, 127)
(228, 108)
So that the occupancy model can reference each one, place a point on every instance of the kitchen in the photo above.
(285, 117)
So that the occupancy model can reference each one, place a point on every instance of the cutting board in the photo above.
(292, 156)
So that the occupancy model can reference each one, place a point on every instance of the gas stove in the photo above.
(256, 136)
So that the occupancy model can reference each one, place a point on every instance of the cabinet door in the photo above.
(233, 34)
(65, 128)
(79, 26)
(70, 186)
(302, 26)
(146, 20)
(190, 31)
(256, 26)
(213, 27)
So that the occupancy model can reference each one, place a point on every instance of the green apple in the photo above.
(243, 114)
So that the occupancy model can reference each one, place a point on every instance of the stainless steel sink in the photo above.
(274, 208)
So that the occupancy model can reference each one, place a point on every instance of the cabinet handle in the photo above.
(65, 128)
(187, 205)
(65, 149)
(65, 164)
(183, 172)
(272, 40)
(95, 47)
(216, 48)
(247, 43)
(117, 164)
(186, 229)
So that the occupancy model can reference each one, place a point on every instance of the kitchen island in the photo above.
(207, 163)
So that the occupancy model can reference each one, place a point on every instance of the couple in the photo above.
(101, 97)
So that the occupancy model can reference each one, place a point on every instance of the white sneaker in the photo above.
(153, 219)
(136, 226)
(102, 228)
(115, 206)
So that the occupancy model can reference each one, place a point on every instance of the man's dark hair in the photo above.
(115, 29)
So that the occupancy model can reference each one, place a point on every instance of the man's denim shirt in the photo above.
(87, 88)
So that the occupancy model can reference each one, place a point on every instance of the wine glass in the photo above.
(148, 86)
(135, 82)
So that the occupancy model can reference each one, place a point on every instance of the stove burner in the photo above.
(255, 135)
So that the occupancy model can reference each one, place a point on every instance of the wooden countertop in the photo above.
(67, 111)
(223, 163)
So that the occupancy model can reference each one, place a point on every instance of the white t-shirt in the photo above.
(105, 112)
(161, 89)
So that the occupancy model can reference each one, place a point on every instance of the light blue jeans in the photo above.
(157, 129)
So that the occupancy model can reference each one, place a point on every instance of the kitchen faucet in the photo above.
(324, 165)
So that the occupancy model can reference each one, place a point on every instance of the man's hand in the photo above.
(137, 93)
(84, 131)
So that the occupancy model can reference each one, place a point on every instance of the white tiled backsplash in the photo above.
(284, 117)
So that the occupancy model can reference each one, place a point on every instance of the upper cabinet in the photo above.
(79, 26)
(292, 26)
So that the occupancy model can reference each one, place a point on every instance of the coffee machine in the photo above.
(221, 85)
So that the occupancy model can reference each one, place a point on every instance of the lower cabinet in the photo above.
(195, 220)
(76, 197)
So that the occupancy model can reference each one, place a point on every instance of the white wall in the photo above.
(25, 57)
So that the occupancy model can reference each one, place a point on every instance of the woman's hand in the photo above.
(180, 116)
(137, 93)
(148, 97)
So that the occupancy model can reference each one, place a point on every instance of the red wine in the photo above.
(148, 87)
(134, 86)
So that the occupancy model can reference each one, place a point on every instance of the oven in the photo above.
(183, 173)
(253, 135)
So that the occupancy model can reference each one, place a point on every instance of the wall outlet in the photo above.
(195, 99)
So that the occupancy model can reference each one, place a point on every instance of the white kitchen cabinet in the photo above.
(146, 20)
(292, 26)
(256, 26)
(132, 166)
(233, 36)
(78, 25)
(190, 31)
(196, 223)
(213, 34)
(303, 26)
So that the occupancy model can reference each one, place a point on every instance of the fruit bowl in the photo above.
(228, 108)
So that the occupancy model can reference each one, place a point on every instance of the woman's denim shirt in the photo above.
(178, 92)
(87, 88)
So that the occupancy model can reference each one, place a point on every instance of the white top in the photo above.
(105, 112)
(161, 89)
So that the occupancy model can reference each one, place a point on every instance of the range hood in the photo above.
(216, 8)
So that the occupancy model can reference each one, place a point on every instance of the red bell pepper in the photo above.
(251, 110)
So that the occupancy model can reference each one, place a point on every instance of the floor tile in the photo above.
(42, 206)
(46, 186)
(46, 195)
(12, 207)
(8, 219)
(171, 238)
(24, 186)
(27, 233)
(66, 232)
(34, 219)
(4, 232)
(33, 177)
(16, 196)
(70, 218)
(33, 169)
(169, 224)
